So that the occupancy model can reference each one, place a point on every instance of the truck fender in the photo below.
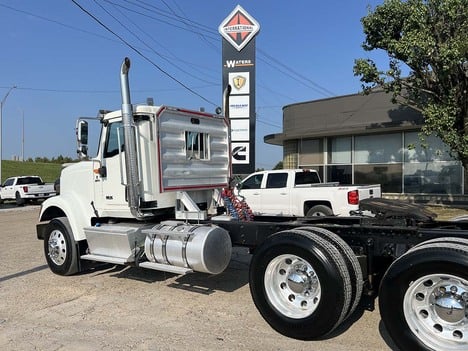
(79, 214)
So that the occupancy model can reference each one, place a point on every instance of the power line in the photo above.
(268, 59)
(142, 55)
(318, 88)
(74, 91)
(184, 20)
(148, 46)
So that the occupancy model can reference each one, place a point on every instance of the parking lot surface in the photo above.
(124, 308)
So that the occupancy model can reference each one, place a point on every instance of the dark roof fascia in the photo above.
(374, 91)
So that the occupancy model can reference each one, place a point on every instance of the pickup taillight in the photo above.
(353, 197)
(25, 189)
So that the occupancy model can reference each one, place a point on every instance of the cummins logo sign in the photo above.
(239, 28)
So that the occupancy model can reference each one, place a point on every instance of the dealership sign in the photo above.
(239, 28)
(238, 31)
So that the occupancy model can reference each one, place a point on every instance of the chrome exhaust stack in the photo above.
(131, 160)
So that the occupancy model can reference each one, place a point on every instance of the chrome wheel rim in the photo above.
(292, 286)
(436, 310)
(57, 247)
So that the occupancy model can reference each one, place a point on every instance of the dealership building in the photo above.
(366, 139)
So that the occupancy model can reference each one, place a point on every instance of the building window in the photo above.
(387, 175)
(434, 150)
(342, 174)
(339, 160)
(339, 150)
(397, 161)
(311, 152)
(429, 169)
(382, 148)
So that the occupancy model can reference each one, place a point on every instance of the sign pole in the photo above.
(238, 57)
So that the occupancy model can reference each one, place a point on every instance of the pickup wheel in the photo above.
(319, 210)
(424, 298)
(19, 200)
(60, 248)
(300, 284)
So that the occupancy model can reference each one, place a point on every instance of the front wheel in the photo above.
(424, 298)
(60, 248)
(300, 284)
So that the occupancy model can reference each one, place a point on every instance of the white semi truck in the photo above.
(158, 196)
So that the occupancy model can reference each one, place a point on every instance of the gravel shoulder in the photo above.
(124, 308)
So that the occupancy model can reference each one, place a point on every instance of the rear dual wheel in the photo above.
(424, 297)
(301, 283)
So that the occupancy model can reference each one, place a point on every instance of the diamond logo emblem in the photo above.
(239, 28)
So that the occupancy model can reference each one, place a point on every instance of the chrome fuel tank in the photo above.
(203, 248)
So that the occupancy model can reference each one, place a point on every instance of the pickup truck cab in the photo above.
(300, 193)
(25, 188)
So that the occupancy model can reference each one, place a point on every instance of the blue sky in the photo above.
(66, 65)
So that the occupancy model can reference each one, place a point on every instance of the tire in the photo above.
(19, 200)
(300, 284)
(60, 249)
(319, 210)
(424, 297)
(352, 263)
(451, 240)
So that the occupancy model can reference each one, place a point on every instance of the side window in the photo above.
(197, 145)
(114, 135)
(9, 182)
(277, 180)
(253, 182)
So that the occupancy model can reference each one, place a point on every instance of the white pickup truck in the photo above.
(25, 188)
(300, 193)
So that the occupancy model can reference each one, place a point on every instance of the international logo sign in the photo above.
(239, 28)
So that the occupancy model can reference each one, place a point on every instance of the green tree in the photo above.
(428, 39)
(279, 165)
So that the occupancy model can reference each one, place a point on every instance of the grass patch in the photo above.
(445, 213)
(49, 172)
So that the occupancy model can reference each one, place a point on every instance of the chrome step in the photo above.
(165, 268)
(107, 259)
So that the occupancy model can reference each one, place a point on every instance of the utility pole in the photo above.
(1, 139)
(22, 135)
